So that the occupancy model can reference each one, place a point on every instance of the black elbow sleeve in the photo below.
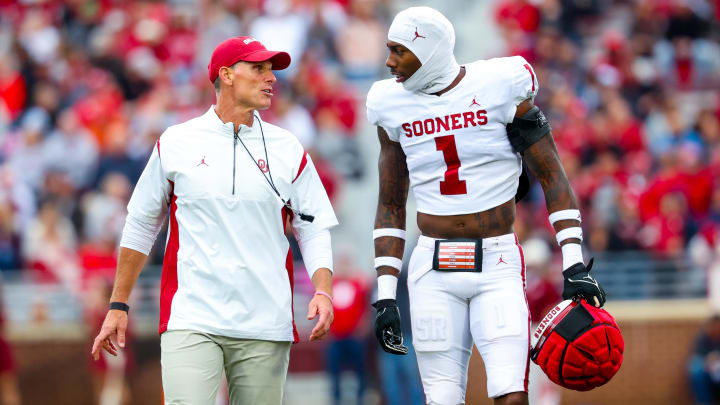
(527, 129)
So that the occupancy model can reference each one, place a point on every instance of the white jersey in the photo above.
(228, 268)
(458, 154)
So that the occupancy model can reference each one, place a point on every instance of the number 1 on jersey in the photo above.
(452, 185)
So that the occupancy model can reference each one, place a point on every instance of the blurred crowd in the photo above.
(86, 87)
(631, 91)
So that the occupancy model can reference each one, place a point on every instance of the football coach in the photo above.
(229, 181)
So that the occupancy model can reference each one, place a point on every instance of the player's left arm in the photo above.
(531, 135)
(543, 160)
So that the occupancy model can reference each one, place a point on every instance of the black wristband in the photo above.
(120, 306)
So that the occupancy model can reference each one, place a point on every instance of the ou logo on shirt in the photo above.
(263, 165)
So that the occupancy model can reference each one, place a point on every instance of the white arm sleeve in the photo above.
(316, 251)
(138, 235)
(147, 206)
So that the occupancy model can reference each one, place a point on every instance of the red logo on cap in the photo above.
(417, 35)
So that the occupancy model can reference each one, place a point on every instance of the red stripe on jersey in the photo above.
(303, 163)
(290, 270)
(522, 264)
(532, 75)
(169, 281)
(157, 144)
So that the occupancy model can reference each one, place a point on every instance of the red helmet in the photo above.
(578, 345)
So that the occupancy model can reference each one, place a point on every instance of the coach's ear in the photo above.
(226, 75)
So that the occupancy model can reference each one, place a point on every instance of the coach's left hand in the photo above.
(320, 305)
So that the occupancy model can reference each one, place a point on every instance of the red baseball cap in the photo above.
(246, 49)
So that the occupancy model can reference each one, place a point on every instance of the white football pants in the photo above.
(451, 310)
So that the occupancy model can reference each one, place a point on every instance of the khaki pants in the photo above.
(192, 365)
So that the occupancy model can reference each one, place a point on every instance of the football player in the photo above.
(457, 135)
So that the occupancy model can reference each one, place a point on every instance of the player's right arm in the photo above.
(146, 212)
(392, 198)
(389, 237)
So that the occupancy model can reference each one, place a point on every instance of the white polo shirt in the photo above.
(228, 267)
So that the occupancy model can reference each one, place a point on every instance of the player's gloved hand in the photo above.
(580, 284)
(387, 327)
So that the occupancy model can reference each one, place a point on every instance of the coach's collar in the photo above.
(226, 128)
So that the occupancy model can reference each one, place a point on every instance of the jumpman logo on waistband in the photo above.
(417, 35)
(501, 261)
(202, 162)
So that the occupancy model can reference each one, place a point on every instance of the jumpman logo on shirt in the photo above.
(474, 103)
(417, 35)
(501, 261)
(202, 162)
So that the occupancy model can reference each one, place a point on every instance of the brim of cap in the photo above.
(280, 60)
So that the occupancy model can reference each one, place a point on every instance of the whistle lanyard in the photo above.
(304, 217)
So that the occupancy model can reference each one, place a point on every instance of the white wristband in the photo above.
(569, 233)
(571, 253)
(390, 261)
(387, 287)
(394, 232)
(564, 214)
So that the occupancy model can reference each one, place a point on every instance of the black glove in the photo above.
(387, 327)
(580, 284)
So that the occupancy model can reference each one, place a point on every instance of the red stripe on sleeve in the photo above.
(303, 163)
(532, 75)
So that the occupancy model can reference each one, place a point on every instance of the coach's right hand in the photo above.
(113, 328)
(387, 327)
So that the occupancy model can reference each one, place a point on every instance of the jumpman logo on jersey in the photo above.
(474, 103)
(417, 35)
(202, 162)
(501, 261)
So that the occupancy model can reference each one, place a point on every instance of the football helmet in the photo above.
(577, 345)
